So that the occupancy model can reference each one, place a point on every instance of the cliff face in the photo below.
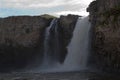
(22, 30)
(67, 24)
(21, 37)
(105, 20)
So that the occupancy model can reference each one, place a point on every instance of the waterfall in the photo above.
(78, 48)
(46, 58)
(51, 45)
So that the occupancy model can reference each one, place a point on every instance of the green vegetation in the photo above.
(48, 16)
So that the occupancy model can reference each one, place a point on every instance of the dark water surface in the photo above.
(83, 75)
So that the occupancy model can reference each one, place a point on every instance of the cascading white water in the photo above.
(78, 49)
(46, 59)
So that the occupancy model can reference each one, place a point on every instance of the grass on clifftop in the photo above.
(48, 16)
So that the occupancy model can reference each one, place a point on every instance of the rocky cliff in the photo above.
(21, 37)
(105, 20)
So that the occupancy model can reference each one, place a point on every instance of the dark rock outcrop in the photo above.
(21, 38)
(105, 20)
(66, 27)
(67, 24)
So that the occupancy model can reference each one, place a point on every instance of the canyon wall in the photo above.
(105, 20)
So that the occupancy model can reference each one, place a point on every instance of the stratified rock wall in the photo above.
(105, 20)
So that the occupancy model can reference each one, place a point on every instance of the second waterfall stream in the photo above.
(78, 49)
